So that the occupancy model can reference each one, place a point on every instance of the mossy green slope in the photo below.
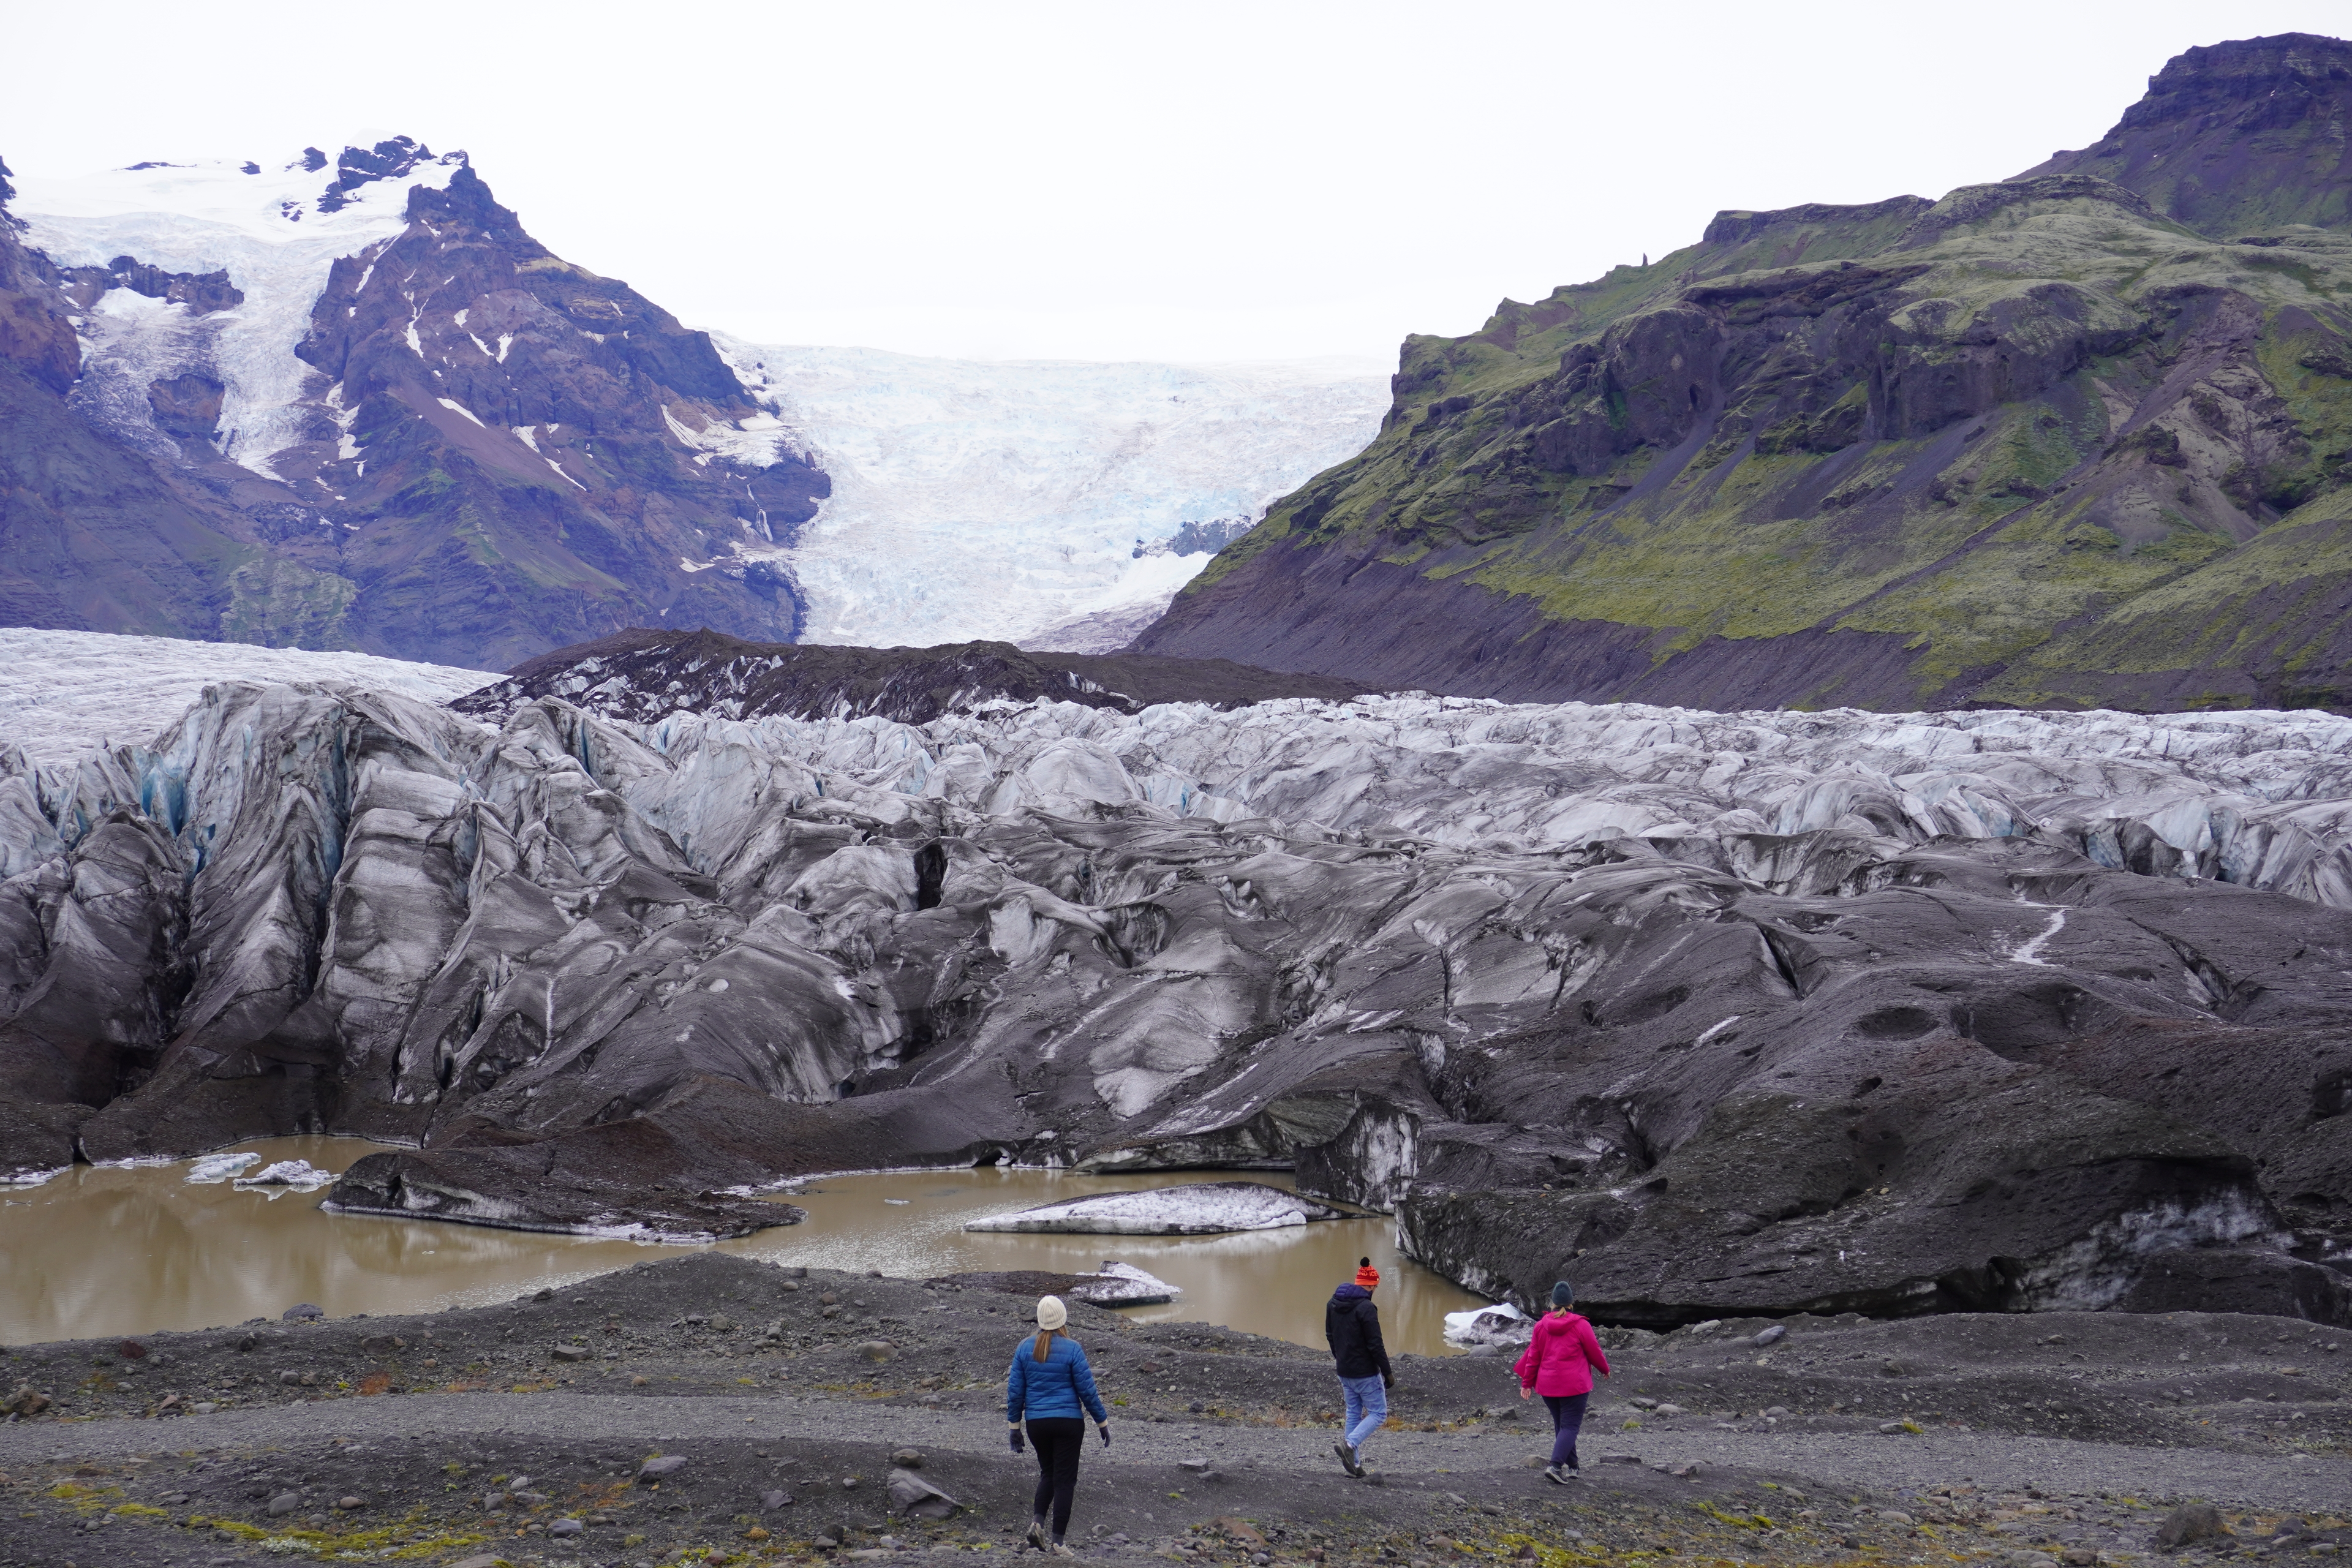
(1958, 448)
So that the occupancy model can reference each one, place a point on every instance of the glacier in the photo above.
(1742, 1012)
(70, 692)
(1008, 500)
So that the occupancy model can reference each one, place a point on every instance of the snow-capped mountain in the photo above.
(349, 402)
(1034, 501)
(271, 234)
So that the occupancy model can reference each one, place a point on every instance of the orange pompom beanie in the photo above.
(1367, 1275)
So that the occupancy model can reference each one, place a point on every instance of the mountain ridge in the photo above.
(2039, 442)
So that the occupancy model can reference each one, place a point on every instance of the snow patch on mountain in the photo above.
(277, 231)
(66, 692)
(1007, 500)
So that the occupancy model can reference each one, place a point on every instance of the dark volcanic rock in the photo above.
(645, 673)
(2235, 138)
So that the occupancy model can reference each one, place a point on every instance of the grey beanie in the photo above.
(1562, 1294)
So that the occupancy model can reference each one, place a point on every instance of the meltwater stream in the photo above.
(99, 1251)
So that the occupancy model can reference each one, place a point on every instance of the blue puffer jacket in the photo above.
(1035, 1390)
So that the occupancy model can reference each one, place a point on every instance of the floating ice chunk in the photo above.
(300, 1175)
(1204, 1208)
(221, 1167)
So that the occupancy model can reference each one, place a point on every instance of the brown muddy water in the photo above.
(110, 1250)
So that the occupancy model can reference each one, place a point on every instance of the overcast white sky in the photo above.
(1191, 182)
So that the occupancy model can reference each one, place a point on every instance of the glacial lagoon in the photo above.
(106, 1250)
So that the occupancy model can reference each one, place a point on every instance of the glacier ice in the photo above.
(1724, 1002)
(980, 500)
(68, 692)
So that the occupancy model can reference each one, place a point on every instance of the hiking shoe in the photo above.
(1570, 1475)
(1058, 1550)
(1037, 1533)
(1556, 1476)
(1348, 1458)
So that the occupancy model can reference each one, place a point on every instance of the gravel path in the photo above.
(1841, 1461)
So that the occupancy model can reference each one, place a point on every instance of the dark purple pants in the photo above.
(1567, 1420)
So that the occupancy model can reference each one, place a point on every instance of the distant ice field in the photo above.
(1020, 501)
(62, 693)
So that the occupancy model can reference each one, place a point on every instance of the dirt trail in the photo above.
(788, 1397)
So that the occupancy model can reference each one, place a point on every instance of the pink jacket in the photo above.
(1561, 1357)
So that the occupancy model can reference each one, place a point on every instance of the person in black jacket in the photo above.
(1352, 1326)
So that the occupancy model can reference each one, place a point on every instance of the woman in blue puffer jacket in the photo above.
(1049, 1383)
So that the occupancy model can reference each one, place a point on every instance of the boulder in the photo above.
(2189, 1523)
(910, 1494)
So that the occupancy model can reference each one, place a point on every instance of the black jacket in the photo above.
(1352, 1326)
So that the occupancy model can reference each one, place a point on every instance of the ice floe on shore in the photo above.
(1500, 1324)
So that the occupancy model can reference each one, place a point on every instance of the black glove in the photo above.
(1104, 1429)
(1012, 1435)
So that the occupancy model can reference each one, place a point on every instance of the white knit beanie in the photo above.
(1051, 1313)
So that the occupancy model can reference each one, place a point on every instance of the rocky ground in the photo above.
(528, 1434)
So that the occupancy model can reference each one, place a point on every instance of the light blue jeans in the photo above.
(1368, 1407)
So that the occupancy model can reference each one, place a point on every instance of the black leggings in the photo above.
(1059, 1440)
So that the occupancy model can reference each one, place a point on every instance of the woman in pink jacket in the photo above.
(1558, 1364)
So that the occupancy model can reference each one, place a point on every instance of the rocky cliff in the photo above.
(352, 403)
(646, 675)
(2079, 436)
(1736, 1014)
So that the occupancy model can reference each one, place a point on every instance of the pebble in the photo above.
(566, 1527)
(284, 1503)
(303, 1313)
(661, 1465)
